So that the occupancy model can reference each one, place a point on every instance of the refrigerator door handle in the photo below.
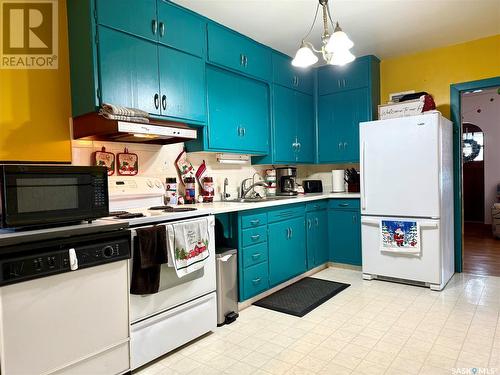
(363, 175)
(368, 220)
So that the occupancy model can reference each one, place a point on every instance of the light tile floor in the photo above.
(372, 327)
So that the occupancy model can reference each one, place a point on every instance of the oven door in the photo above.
(37, 195)
(175, 291)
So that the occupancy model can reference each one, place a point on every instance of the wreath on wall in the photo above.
(474, 147)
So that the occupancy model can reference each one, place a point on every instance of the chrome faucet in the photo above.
(244, 190)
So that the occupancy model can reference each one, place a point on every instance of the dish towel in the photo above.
(188, 246)
(115, 112)
(401, 237)
(150, 252)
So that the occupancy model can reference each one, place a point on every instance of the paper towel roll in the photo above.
(338, 183)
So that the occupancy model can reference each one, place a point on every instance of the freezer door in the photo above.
(424, 268)
(400, 167)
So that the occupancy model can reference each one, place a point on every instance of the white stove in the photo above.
(140, 200)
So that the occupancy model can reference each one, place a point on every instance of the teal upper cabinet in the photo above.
(235, 51)
(128, 70)
(293, 129)
(181, 29)
(182, 85)
(339, 116)
(238, 110)
(287, 251)
(285, 74)
(131, 16)
(348, 95)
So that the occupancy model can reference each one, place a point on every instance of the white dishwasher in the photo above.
(64, 306)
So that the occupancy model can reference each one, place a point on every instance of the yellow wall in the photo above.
(35, 109)
(434, 70)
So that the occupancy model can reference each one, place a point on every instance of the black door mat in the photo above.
(302, 297)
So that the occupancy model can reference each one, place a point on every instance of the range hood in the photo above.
(92, 126)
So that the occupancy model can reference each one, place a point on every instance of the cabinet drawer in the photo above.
(346, 204)
(254, 254)
(285, 213)
(315, 206)
(237, 52)
(253, 220)
(255, 280)
(254, 236)
(285, 74)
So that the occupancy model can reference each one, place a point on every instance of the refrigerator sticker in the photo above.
(401, 237)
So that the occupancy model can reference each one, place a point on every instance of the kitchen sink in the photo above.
(259, 199)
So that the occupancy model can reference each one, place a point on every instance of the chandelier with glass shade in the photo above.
(335, 47)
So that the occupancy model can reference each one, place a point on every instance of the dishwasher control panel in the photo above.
(55, 257)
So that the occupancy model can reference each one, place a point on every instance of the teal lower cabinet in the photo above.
(344, 227)
(287, 253)
(317, 238)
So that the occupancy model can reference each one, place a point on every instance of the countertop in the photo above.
(8, 237)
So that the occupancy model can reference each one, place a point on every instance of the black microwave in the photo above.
(38, 195)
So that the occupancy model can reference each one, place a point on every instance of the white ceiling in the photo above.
(385, 28)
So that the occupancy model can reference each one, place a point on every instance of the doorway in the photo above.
(480, 127)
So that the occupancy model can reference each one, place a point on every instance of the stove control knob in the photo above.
(107, 252)
(158, 183)
(149, 183)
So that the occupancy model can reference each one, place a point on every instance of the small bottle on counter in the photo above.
(171, 190)
(190, 190)
(208, 189)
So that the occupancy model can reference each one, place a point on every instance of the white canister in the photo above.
(338, 183)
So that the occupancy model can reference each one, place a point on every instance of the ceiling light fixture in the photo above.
(335, 47)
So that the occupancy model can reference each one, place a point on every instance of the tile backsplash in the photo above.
(159, 161)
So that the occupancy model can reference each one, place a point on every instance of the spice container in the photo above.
(208, 189)
(190, 190)
(171, 190)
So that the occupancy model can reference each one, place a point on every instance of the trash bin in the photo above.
(227, 285)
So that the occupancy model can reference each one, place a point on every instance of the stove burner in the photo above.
(125, 215)
(172, 209)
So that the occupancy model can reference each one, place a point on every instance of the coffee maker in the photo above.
(285, 181)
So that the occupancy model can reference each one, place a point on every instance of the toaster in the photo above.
(312, 186)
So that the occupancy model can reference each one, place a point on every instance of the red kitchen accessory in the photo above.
(127, 163)
(105, 159)
(183, 165)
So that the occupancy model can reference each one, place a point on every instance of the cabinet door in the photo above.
(330, 136)
(321, 229)
(287, 250)
(285, 124)
(285, 74)
(224, 130)
(180, 29)
(360, 107)
(253, 115)
(345, 241)
(236, 51)
(341, 78)
(128, 69)
(132, 16)
(306, 131)
(182, 85)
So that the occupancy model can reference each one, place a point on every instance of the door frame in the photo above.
(455, 111)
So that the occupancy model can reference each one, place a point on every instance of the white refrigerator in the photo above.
(406, 167)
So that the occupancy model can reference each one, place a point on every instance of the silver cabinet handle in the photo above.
(316, 221)
(255, 222)
(240, 131)
(164, 102)
(345, 145)
(309, 223)
(298, 146)
(255, 237)
(154, 26)
(343, 204)
(244, 131)
(257, 280)
(256, 256)
(156, 100)
(287, 233)
(339, 145)
(353, 219)
(242, 59)
(343, 82)
(338, 83)
(246, 60)
(162, 29)
(291, 232)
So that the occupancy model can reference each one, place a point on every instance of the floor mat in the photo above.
(302, 297)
